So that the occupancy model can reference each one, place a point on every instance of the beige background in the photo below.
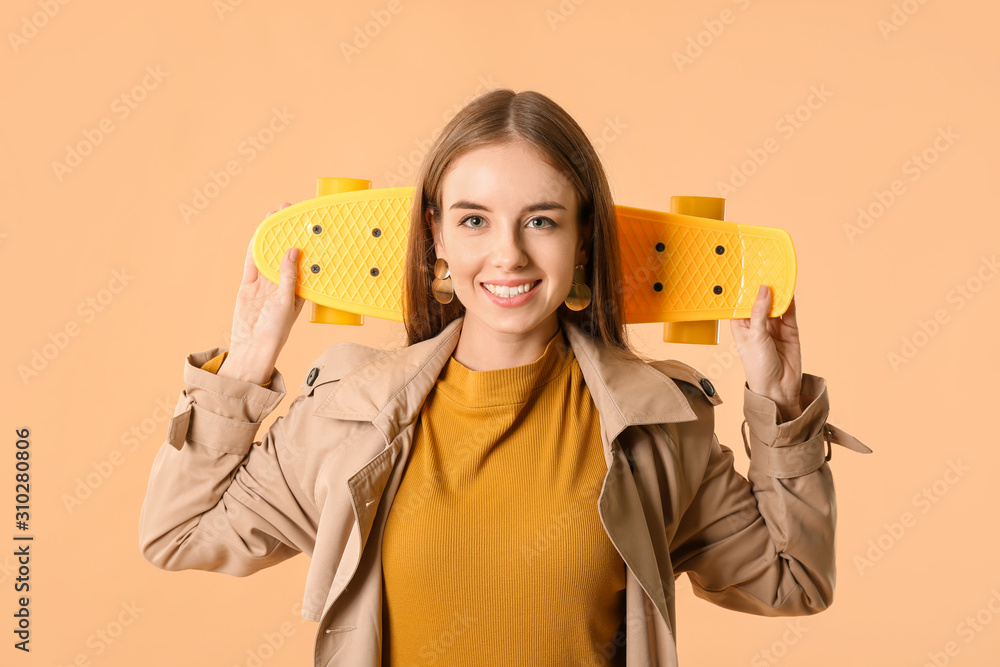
(897, 78)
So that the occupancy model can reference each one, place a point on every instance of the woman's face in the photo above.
(508, 218)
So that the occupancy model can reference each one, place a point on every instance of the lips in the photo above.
(507, 283)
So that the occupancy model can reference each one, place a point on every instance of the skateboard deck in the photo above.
(687, 268)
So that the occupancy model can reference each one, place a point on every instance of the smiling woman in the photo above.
(506, 245)
(516, 485)
(513, 192)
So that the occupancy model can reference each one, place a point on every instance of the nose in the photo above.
(508, 250)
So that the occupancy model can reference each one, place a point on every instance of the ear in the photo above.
(584, 242)
(435, 233)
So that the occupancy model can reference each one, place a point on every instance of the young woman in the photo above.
(515, 485)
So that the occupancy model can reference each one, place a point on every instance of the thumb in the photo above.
(249, 267)
(289, 271)
(759, 312)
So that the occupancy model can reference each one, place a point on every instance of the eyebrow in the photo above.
(540, 206)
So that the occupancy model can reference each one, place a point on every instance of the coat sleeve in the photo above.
(766, 545)
(216, 500)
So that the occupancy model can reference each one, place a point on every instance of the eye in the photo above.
(477, 217)
(470, 217)
(543, 219)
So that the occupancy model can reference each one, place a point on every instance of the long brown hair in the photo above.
(496, 117)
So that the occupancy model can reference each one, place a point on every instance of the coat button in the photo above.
(313, 374)
(707, 386)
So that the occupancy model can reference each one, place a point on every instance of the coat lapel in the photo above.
(628, 393)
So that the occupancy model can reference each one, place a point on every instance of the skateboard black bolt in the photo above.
(717, 289)
(660, 247)
(317, 229)
(374, 271)
(658, 287)
(376, 232)
(314, 268)
(719, 250)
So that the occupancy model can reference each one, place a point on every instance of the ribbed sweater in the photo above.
(493, 551)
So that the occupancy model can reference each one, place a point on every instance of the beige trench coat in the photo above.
(322, 479)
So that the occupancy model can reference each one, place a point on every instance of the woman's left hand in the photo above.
(771, 354)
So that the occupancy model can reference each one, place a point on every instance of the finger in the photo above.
(289, 271)
(285, 205)
(759, 312)
(789, 316)
(250, 272)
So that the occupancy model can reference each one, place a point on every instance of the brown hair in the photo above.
(496, 117)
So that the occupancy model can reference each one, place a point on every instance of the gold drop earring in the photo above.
(442, 285)
(579, 293)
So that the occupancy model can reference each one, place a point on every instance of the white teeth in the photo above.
(504, 292)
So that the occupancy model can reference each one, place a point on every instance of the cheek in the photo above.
(461, 270)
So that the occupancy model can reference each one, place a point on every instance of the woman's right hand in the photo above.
(263, 318)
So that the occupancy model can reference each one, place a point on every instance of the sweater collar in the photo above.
(389, 388)
(505, 386)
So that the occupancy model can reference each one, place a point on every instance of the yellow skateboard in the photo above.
(687, 268)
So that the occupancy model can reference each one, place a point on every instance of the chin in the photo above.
(515, 324)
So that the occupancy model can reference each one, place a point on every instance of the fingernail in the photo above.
(762, 292)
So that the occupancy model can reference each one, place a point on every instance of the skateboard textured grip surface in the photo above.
(359, 251)
(679, 268)
(672, 266)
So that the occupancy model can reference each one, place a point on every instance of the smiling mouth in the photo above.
(505, 293)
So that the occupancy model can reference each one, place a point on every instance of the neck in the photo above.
(481, 348)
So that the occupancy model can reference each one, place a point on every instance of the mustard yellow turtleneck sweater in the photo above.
(493, 552)
(215, 363)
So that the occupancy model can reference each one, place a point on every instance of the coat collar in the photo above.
(388, 388)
